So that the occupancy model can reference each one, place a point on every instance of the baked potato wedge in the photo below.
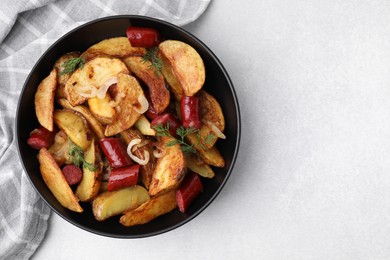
(60, 149)
(128, 108)
(92, 76)
(143, 125)
(186, 65)
(198, 165)
(75, 126)
(150, 210)
(112, 203)
(95, 125)
(170, 168)
(55, 181)
(62, 78)
(146, 170)
(118, 47)
(89, 186)
(153, 79)
(211, 156)
(174, 84)
(101, 109)
(44, 100)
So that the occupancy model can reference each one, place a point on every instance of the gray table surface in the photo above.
(312, 179)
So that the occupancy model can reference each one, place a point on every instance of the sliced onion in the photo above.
(135, 158)
(87, 91)
(144, 104)
(101, 92)
(215, 129)
(158, 153)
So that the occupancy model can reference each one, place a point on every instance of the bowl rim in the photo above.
(235, 152)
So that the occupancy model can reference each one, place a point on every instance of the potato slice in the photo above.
(75, 126)
(62, 78)
(211, 156)
(150, 210)
(44, 100)
(102, 109)
(89, 186)
(95, 125)
(115, 47)
(198, 165)
(174, 84)
(170, 169)
(186, 63)
(55, 181)
(146, 170)
(126, 110)
(112, 203)
(154, 80)
(143, 125)
(93, 75)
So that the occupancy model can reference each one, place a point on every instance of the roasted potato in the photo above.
(44, 100)
(101, 109)
(150, 210)
(170, 169)
(55, 181)
(127, 113)
(89, 186)
(118, 47)
(198, 165)
(75, 126)
(59, 150)
(211, 156)
(112, 203)
(186, 65)
(143, 125)
(92, 76)
(62, 78)
(153, 79)
(95, 125)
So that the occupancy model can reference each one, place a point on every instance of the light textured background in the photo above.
(312, 180)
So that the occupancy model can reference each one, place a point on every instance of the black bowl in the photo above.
(217, 83)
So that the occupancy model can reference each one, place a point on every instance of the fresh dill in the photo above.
(72, 64)
(155, 62)
(77, 157)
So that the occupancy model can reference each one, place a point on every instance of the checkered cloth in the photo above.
(27, 29)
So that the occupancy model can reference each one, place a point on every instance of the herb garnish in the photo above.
(77, 157)
(72, 64)
(156, 62)
(182, 132)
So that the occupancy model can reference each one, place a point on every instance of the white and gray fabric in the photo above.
(27, 29)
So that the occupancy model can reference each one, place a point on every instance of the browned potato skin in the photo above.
(55, 181)
(186, 65)
(112, 203)
(62, 78)
(44, 100)
(158, 92)
(198, 165)
(95, 125)
(126, 114)
(150, 210)
(75, 126)
(102, 110)
(170, 169)
(89, 186)
(118, 47)
(145, 170)
(211, 156)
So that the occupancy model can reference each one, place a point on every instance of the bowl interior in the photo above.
(217, 83)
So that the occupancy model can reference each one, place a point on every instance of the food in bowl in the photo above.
(126, 126)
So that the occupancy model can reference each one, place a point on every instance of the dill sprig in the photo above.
(182, 132)
(72, 64)
(77, 157)
(155, 62)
